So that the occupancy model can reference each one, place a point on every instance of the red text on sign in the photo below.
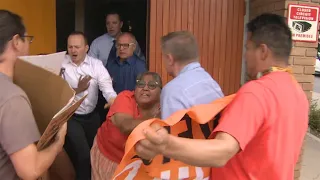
(304, 14)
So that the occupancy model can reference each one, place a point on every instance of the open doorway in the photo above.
(134, 14)
(65, 22)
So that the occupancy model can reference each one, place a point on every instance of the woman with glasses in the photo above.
(129, 109)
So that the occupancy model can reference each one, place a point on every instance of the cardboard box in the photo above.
(47, 92)
(52, 101)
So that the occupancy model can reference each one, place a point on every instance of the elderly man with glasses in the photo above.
(125, 68)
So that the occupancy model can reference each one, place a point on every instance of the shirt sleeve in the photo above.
(105, 82)
(138, 52)
(94, 51)
(242, 119)
(171, 103)
(141, 68)
(18, 128)
(122, 104)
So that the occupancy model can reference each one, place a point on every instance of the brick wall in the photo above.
(302, 56)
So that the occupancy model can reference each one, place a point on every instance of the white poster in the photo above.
(50, 62)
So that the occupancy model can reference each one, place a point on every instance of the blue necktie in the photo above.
(113, 52)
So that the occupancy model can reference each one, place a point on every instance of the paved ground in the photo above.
(317, 84)
(316, 97)
(311, 158)
(316, 90)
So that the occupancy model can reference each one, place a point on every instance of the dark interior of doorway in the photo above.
(133, 12)
(65, 22)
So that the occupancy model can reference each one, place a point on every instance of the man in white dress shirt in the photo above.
(86, 75)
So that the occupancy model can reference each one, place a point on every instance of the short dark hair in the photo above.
(181, 44)
(113, 12)
(272, 30)
(80, 33)
(155, 76)
(10, 25)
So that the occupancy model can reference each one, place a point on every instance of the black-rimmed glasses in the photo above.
(28, 38)
(125, 46)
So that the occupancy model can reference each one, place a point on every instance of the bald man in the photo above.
(127, 66)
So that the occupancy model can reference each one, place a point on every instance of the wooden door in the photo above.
(218, 27)
(39, 17)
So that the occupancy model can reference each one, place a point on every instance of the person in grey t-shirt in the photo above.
(19, 156)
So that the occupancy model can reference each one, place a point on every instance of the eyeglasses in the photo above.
(151, 84)
(125, 46)
(29, 38)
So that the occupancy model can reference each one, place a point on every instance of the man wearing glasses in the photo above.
(127, 66)
(103, 47)
(19, 157)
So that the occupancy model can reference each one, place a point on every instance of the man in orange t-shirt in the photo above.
(260, 134)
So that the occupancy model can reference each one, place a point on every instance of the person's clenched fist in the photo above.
(156, 142)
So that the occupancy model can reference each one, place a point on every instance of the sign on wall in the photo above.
(303, 21)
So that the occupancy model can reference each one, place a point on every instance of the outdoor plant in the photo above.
(314, 118)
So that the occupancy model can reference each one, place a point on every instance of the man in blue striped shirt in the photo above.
(191, 85)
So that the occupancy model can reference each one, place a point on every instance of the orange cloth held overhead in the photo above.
(196, 123)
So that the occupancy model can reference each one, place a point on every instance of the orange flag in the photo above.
(195, 123)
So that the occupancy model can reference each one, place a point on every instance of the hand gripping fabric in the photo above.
(195, 123)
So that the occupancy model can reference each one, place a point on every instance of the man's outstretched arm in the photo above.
(214, 152)
(204, 153)
(238, 125)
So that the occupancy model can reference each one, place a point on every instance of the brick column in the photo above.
(303, 55)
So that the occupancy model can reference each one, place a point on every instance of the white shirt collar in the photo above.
(69, 61)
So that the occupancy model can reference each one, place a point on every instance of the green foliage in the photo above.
(314, 117)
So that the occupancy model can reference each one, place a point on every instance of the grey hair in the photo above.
(154, 75)
(181, 44)
(132, 37)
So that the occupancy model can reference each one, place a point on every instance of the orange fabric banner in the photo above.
(195, 123)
